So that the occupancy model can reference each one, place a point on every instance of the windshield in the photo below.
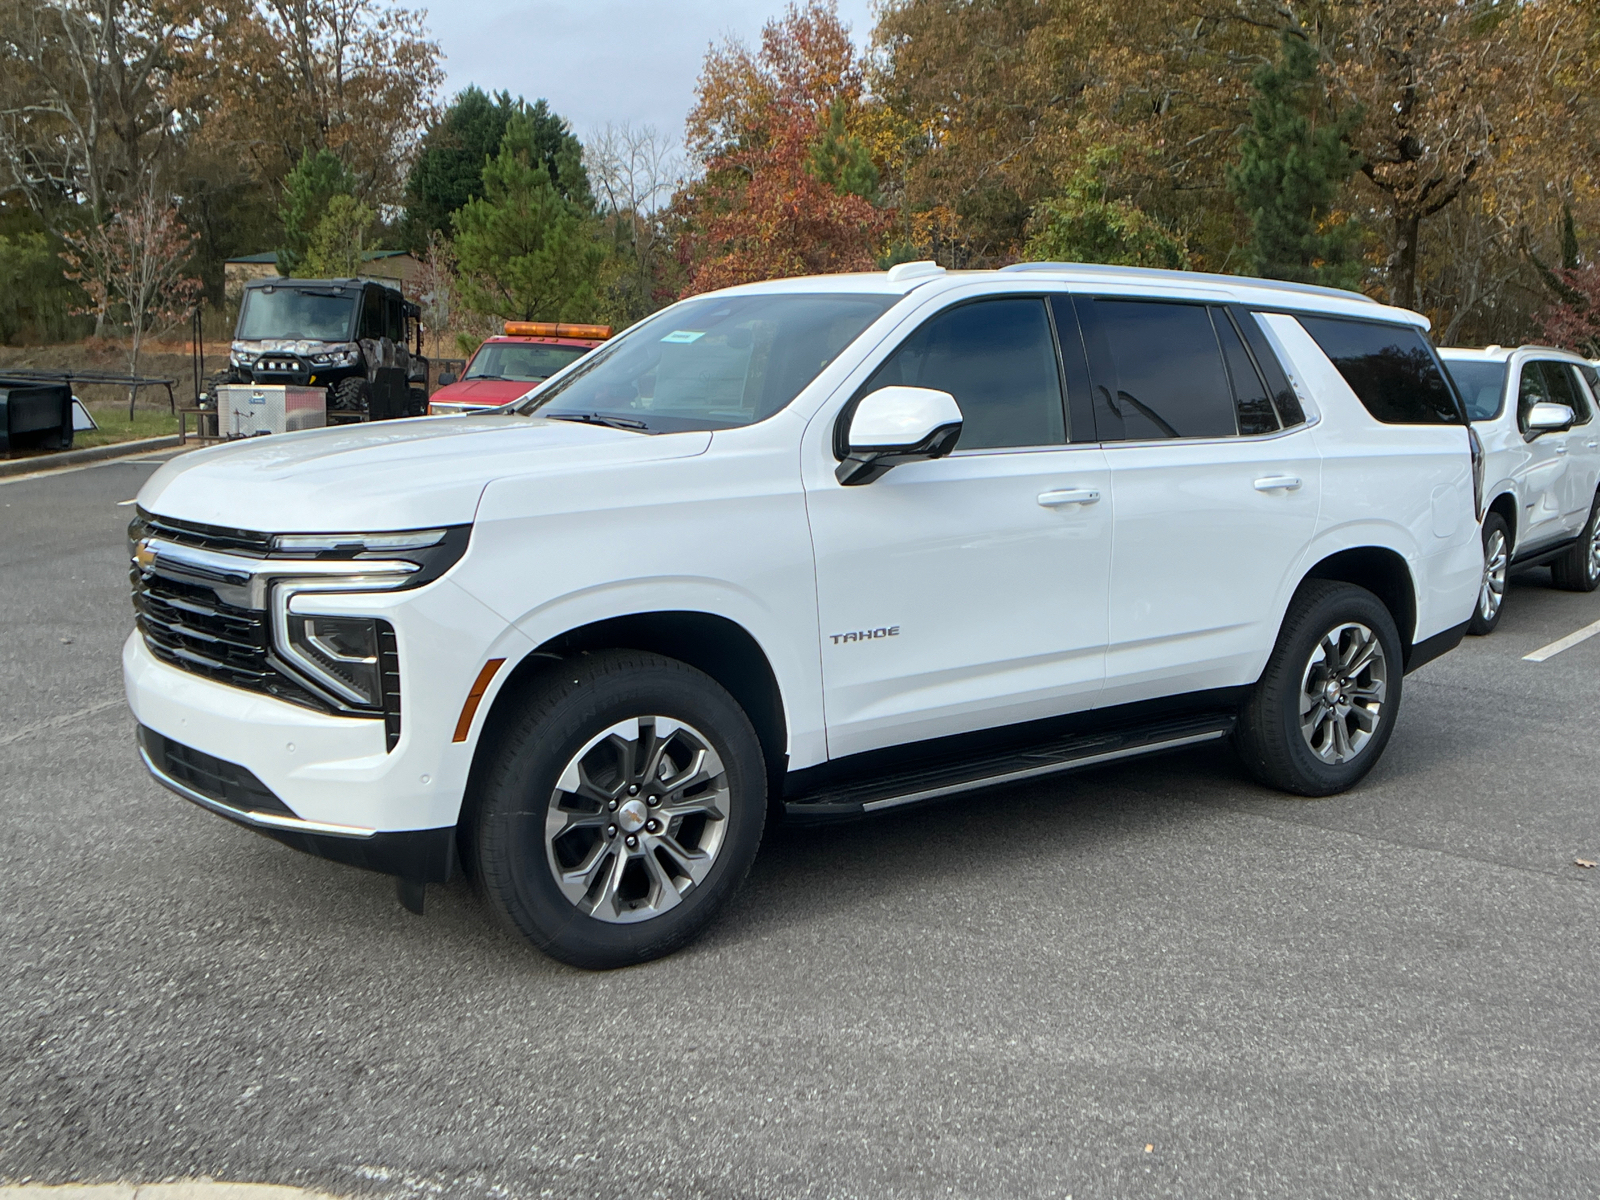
(520, 361)
(716, 363)
(1481, 385)
(320, 315)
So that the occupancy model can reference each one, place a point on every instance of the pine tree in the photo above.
(841, 160)
(1293, 160)
(529, 249)
(449, 167)
(307, 190)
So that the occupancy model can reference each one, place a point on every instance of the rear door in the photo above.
(1217, 492)
(1577, 445)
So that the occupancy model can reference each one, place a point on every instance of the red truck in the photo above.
(507, 367)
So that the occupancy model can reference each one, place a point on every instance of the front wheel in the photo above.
(1322, 711)
(352, 395)
(623, 807)
(1578, 570)
(1492, 590)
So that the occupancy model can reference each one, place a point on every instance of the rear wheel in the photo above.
(1578, 570)
(1321, 714)
(624, 806)
(1496, 561)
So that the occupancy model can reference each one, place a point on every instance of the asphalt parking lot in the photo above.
(1150, 979)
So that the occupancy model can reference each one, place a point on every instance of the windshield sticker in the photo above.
(684, 335)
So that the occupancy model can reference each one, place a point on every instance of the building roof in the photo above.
(269, 257)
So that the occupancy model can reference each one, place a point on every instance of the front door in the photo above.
(969, 591)
(1215, 501)
(1541, 473)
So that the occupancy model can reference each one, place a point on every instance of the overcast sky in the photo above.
(600, 60)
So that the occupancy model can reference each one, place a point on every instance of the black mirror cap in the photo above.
(446, 378)
(864, 464)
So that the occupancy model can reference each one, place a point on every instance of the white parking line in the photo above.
(1566, 643)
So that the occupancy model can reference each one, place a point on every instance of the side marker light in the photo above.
(475, 697)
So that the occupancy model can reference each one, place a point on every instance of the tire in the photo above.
(417, 402)
(559, 780)
(1492, 589)
(1269, 736)
(351, 395)
(1578, 570)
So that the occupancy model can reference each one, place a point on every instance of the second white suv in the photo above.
(809, 549)
(1534, 410)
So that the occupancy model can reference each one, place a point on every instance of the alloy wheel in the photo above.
(1592, 563)
(1342, 692)
(637, 819)
(1495, 560)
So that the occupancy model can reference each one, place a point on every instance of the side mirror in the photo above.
(446, 378)
(897, 425)
(1546, 417)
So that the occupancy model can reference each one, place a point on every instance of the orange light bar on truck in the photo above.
(556, 329)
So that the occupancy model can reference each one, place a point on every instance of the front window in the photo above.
(520, 361)
(1481, 385)
(297, 314)
(714, 363)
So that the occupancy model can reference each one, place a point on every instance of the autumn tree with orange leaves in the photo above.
(788, 186)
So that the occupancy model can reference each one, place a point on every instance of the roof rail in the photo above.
(1152, 273)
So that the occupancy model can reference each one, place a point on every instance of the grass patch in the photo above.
(115, 427)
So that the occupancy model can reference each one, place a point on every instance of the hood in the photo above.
(387, 474)
(482, 391)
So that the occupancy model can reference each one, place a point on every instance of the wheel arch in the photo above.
(1385, 574)
(720, 647)
(1506, 505)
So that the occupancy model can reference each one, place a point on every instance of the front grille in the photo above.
(214, 778)
(189, 626)
(207, 537)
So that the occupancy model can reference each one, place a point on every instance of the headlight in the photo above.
(239, 358)
(338, 356)
(341, 653)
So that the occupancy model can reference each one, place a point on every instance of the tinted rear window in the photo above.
(1391, 368)
(1157, 371)
(1481, 384)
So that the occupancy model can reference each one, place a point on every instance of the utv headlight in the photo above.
(341, 653)
(338, 356)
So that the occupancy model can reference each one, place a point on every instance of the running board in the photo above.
(873, 794)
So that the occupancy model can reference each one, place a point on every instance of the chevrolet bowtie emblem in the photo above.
(145, 555)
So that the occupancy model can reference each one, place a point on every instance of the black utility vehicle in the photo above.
(359, 338)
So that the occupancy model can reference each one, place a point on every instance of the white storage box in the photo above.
(250, 409)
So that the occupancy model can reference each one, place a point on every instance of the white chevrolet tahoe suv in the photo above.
(811, 548)
(1534, 411)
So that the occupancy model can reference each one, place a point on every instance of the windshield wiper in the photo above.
(598, 419)
(468, 378)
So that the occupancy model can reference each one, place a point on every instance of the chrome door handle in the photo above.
(1064, 496)
(1561, 447)
(1273, 483)
(1592, 445)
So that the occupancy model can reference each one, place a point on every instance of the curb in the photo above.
(183, 1189)
(44, 463)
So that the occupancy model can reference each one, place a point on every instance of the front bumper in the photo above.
(420, 855)
(335, 776)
